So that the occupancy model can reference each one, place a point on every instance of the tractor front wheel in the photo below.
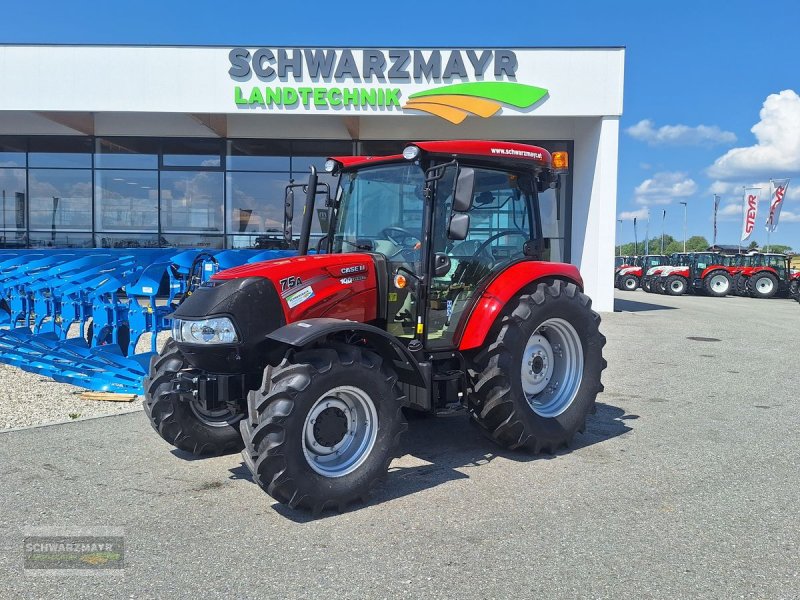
(763, 285)
(186, 424)
(675, 285)
(630, 283)
(323, 427)
(718, 284)
(536, 381)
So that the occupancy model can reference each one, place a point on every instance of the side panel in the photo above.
(502, 289)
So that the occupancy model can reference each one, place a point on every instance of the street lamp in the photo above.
(619, 238)
(684, 226)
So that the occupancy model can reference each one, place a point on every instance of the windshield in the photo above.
(380, 209)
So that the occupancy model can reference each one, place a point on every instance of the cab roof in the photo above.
(505, 152)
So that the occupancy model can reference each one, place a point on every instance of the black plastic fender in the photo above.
(302, 333)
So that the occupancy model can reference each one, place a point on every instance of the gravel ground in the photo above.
(28, 399)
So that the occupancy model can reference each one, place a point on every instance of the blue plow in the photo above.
(77, 316)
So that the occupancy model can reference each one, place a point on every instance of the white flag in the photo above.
(776, 203)
(751, 199)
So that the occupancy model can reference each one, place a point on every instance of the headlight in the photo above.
(330, 165)
(218, 330)
(410, 152)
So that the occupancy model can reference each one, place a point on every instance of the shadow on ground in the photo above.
(622, 305)
(451, 444)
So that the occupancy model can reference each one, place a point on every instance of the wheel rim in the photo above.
(677, 286)
(764, 285)
(223, 417)
(340, 431)
(552, 368)
(630, 284)
(719, 283)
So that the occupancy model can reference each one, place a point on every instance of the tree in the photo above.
(753, 245)
(696, 243)
(779, 248)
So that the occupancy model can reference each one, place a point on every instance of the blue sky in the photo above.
(699, 76)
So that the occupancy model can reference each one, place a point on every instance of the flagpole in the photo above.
(770, 206)
(663, 218)
(744, 199)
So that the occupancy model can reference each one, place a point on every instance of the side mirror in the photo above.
(441, 264)
(288, 214)
(465, 186)
(458, 227)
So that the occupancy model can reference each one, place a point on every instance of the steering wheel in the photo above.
(400, 241)
(485, 244)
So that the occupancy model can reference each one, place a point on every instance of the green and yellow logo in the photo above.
(454, 103)
(482, 98)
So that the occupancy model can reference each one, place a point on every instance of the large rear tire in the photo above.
(718, 284)
(537, 380)
(323, 427)
(740, 285)
(185, 424)
(762, 285)
(675, 285)
(630, 283)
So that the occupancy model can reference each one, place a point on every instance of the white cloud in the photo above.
(664, 187)
(730, 210)
(679, 135)
(789, 217)
(629, 215)
(777, 151)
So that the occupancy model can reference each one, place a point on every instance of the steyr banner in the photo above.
(752, 196)
(776, 202)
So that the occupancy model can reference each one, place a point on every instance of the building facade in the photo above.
(123, 146)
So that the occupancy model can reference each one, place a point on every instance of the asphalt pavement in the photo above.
(685, 485)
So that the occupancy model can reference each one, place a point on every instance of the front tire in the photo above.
(630, 283)
(185, 424)
(718, 284)
(675, 285)
(763, 285)
(323, 427)
(537, 380)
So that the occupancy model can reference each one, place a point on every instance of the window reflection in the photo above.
(64, 239)
(191, 201)
(126, 153)
(126, 200)
(61, 152)
(12, 190)
(60, 199)
(192, 241)
(192, 153)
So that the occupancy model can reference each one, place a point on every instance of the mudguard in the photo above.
(506, 285)
(302, 333)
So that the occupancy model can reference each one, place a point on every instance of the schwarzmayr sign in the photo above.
(369, 79)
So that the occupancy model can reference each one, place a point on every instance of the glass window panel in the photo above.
(191, 241)
(62, 152)
(60, 239)
(12, 151)
(191, 201)
(60, 199)
(315, 152)
(13, 239)
(192, 153)
(126, 200)
(126, 240)
(126, 153)
(255, 202)
(258, 155)
(12, 192)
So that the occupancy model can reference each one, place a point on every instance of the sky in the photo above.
(711, 87)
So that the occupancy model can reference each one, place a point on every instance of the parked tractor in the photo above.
(768, 276)
(430, 291)
(652, 280)
(705, 272)
(629, 278)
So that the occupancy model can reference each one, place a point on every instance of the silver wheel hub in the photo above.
(340, 431)
(719, 283)
(552, 368)
(630, 283)
(764, 285)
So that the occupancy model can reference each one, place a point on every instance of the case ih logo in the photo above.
(327, 74)
(750, 219)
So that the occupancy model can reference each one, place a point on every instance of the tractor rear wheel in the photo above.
(186, 424)
(740, 285)
(537, 379)
(763, 285)
(323, 427)
(630, 283)
(675, 285)
(646, 285)
(718, 284)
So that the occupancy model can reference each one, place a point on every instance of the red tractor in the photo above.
(705, 272)
(652, 280)
(629, 278)
(767, 275)
(430, 291)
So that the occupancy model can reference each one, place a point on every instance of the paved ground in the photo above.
(685, 485)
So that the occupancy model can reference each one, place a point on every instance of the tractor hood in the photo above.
(259, 298)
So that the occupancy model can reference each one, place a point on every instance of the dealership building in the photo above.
(142, 146)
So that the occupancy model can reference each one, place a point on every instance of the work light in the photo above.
(410, 152)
